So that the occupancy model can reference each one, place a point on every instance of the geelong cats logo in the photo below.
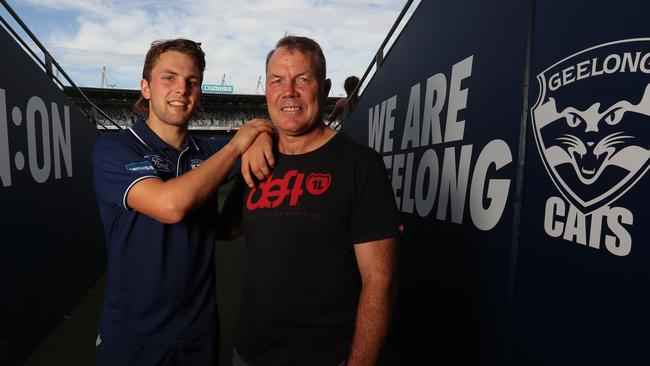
(592, 122)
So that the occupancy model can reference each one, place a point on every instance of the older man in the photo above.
(320, 231)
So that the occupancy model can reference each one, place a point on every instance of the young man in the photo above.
(320, 231)
(156, 186)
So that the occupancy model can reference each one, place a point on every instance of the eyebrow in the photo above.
(308, 73)
(169, 71)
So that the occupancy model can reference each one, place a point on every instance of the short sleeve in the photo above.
(116, 168)
(375, 215)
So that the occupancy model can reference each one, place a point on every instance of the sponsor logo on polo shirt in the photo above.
(159, 163)
(141, 166)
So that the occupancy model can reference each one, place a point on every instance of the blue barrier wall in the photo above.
(583, 255)
(513, 134)
(51, 250)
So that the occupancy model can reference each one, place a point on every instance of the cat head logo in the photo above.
(592, 122)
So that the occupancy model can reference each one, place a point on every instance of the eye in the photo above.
(303, 80)
(193, 83)
(614, 116)
(168, 77)
(573, 119)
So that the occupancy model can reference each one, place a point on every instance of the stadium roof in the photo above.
(129, 96)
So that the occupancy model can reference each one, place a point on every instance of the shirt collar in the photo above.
(154, 142)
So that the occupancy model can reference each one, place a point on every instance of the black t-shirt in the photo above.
(302, 283)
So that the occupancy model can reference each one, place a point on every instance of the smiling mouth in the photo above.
(291, 109)
(175, 103)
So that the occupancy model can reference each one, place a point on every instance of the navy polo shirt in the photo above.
(160, 285)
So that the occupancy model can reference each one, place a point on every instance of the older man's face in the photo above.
(293, 92)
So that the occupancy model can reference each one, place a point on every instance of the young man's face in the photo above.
(174, 90)
(293, 92)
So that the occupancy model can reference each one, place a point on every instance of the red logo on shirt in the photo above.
(273, 192)
(318, 183)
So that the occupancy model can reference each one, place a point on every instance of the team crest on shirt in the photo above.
(592, 122)
(160, 164)
(194, 163)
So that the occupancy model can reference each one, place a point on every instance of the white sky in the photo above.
(85, 35)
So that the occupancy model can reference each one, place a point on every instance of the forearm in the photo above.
(193, 188)
(170, 201)
(373, 318)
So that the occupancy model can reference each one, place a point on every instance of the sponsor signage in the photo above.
(217, 89)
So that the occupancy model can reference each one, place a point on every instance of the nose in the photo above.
(183, 86)
(289, 89)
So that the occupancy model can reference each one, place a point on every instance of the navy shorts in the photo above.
(198, 352)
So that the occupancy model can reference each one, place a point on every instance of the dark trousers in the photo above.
(197, 352)
(238, 361)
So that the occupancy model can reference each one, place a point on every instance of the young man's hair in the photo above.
(350, 83)
(304, 45)
(182, 45)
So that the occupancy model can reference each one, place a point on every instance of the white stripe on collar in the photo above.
(138, 137)
(194, 142)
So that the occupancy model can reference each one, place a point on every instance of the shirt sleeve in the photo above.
(116, 168)
(375, 215)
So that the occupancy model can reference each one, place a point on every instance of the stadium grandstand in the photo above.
(217, 114)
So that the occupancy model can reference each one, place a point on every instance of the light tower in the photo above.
(104, 81)
(260, 86)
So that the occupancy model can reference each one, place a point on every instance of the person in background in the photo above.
(344, 105)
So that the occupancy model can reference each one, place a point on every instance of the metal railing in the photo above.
(377, 60)
(48, 62)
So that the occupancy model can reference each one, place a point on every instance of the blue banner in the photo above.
(583, 255)
(516, 137)
(444, 110)
(52, 249)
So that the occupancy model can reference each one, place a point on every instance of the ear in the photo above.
(327, 86)
(144, 89)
